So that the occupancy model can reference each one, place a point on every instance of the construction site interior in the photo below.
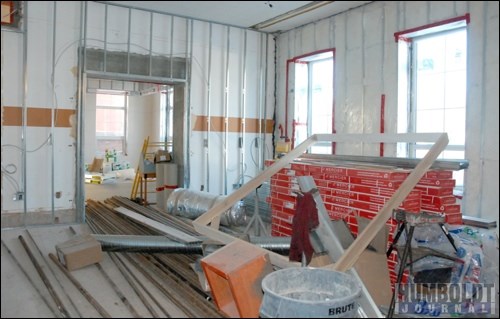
(250, 159)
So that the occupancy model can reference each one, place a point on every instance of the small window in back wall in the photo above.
(111, 114)
(432, 88)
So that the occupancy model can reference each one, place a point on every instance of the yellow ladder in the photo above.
(138, 174)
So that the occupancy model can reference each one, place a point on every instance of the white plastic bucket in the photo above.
(309, 293)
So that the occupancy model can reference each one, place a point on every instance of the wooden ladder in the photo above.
(138, 174)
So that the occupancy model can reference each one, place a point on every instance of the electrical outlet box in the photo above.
(18, 196)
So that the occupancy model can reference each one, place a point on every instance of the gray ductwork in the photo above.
(162, 244)
(192, 204)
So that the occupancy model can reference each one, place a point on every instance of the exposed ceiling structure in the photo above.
(266, 16)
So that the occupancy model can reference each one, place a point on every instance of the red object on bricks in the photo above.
(305, 220)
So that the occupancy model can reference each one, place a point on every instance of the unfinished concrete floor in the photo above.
(23, 297)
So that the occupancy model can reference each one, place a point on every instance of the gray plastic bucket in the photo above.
(309, 293)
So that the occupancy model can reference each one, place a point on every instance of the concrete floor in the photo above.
(23, 297)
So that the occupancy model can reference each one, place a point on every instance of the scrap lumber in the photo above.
(178, 282)
(440, 140)
(167, 230)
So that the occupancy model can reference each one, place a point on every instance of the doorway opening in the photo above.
(119, 116)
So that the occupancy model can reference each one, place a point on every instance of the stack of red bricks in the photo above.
(352, 191)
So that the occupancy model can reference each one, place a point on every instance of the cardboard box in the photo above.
(96, 165)
(78, 252)
(162, 156)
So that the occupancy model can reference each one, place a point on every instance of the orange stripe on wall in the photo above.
(39, 117)
(235, 124)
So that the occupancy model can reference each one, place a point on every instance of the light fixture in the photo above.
(290, 14)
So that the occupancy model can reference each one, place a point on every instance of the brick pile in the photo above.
(352, 191)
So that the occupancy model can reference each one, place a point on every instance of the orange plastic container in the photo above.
(234, 274)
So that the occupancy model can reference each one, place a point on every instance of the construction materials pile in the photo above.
(169, 273)
(353, 191)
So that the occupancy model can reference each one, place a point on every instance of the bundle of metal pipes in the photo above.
(170, 273)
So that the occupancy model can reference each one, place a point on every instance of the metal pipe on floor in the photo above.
(45, 280)
(132, 284)
(145, 244)
(53, 272)
(80, 288)
(162, 244)
(51, 307)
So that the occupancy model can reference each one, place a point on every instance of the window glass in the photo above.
(110, 122)
(313, 96)
(437, 79)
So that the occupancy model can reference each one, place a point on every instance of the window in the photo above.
(313, 99)
(435, 78)
(111, 113)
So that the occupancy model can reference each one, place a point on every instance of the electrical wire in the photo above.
(254, 140)
(7, 171)
(9, 178)
(9, 14)
(29, 151)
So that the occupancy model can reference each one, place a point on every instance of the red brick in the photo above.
(435, 191)
(337, 178)
(455, 208)
(388, 174)
(439, 174)
(344, 193)
(438, 200)
(437, 182)
(454, 219)
(298, 167)
(392, 184)
(336, 170)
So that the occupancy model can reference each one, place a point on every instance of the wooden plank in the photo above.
(243, 191)
(247, 188)
(170, 232)
(352, 254)
(440, 139)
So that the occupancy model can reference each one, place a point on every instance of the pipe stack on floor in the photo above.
(172, 273)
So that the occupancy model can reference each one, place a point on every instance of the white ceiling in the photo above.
(245, 14)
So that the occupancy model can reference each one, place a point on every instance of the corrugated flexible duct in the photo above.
(192, 204)
(162, 244)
